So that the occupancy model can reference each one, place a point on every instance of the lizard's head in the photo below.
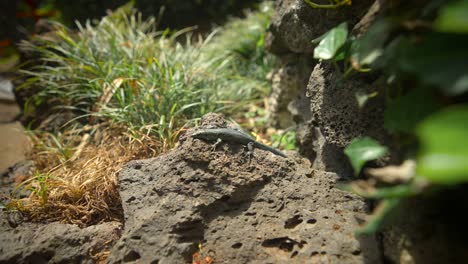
(205, 134)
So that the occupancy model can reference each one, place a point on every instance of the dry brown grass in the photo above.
(76, 174)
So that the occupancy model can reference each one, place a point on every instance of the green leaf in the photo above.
(398, 191)
(362, 97)
(378, 217)
(405, 112)
(331, 42)
(362, 150)
(443, 157)
(369, 47)
(453, 18)
(439, 59)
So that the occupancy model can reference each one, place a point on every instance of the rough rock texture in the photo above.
(325, 106)
(337, 118)
(295, 24)
(13, 176)
(273, 210)
(287, 100)
(293, 27)
(54, 242)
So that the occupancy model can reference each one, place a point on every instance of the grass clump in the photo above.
(124, 71)
(125, 91)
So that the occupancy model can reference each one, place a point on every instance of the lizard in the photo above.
(233, 135)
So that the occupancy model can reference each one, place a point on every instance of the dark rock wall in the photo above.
(312, 94)
(425, 229)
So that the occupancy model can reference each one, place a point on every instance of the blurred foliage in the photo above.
(285, 140)
(174, 14)
(361, 150)
(420, 48)
(184, 13)
(331, 42)
(443, 157)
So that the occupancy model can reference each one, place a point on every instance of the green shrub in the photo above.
(124, 71)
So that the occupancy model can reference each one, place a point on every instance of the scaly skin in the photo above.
(233, 135)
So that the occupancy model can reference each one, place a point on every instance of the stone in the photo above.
(54, 242)
(295, 24)
(14, 145)
(287, 100)
(271, 210)
(336, 118)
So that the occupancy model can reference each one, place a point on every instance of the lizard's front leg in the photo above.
(216, 144)
(250, 150)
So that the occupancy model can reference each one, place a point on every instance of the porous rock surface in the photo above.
(295, 24)
(271, 210)
(336, 118)
(54, 242)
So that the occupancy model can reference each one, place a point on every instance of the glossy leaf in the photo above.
(362, 150)
(453, 18)
(438, 59)
(369, 47)
(331, 42)
(443, 157)
(405, 112)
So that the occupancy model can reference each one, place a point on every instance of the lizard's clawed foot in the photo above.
(250, 151)
(216, 144)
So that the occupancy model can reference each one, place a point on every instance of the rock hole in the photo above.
(314, 253)
(156, 261)
(293, 222)
(137, 166)
(43, 257)
(294, 254)
(131, 256)
(287, 246)
(312, 221)
(356, 252)
(237, 245)
(284, 243)
(225, 198)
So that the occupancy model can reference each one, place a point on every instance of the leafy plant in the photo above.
(285, 140)
(38, 185)
(330, 43)
(361, 150)
(443, 157)
(421, 54)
